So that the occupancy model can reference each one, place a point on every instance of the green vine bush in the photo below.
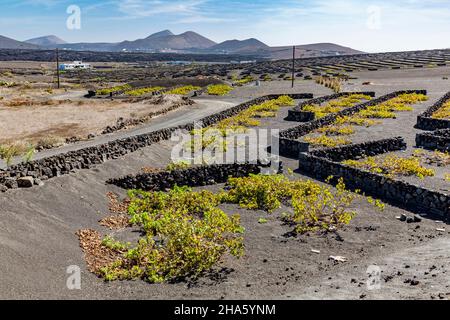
(393, 165)
(315, 206)
(183, 90)
(143, 91)
(219, 89)
(185, 235)
(9, 151)
(107, 91)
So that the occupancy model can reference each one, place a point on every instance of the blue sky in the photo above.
(373, 26)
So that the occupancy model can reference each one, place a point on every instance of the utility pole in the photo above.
(57, 67)
(293, 67)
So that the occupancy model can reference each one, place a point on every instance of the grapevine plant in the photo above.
(443, 112)
(107, 91)
(393, 165)
(219, 89)
(244, 81)
(185, 234)
(314, 206)
(143, 91)
(183, 90)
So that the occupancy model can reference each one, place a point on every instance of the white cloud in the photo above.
(140, 8)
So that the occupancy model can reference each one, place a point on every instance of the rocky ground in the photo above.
(38, 241)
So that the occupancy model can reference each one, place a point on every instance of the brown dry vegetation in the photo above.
(39, 119)
(96, 254)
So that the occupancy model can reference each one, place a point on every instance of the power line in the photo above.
(293, 66)
(57, 67)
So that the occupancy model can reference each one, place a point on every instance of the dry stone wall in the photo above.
(436, 140)
(323, 164)
(192, 177)
(425, 120)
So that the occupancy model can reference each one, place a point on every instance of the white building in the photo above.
(76, 65)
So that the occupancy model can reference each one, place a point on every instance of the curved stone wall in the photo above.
(425, 120)
(191, 177)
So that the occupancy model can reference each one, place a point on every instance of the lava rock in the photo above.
(38, 182)
(25, 182)
(11, 183)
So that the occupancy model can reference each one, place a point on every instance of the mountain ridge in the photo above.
(8, 43)
(188, 42)
(46, 41)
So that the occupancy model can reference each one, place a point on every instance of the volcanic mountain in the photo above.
(8, 43)
(167, 40)
(249, 46)
(46, 41)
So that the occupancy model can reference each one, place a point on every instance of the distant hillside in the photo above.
(164, 33)
(186, 43)
(329, 47)
(167, 40)
(250, 46)
(311, 50)
(8, 43)
(46, 41)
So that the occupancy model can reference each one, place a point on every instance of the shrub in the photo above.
(219, 89)
(314, 206)
(9, 151)
(377, 114)
(180, 165)
(356, 120)
(386, 109)
(326, 141)
(112, 244)
(48, 142)
(183, 90)
(244, 81)
(337, 130)
(392, 165)
(330, 82)
(185, 235)
(319, 207)
(443, 112)
(142, 91)
(438, 158)
(258, 192)
(8, 84)
(107, 91)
